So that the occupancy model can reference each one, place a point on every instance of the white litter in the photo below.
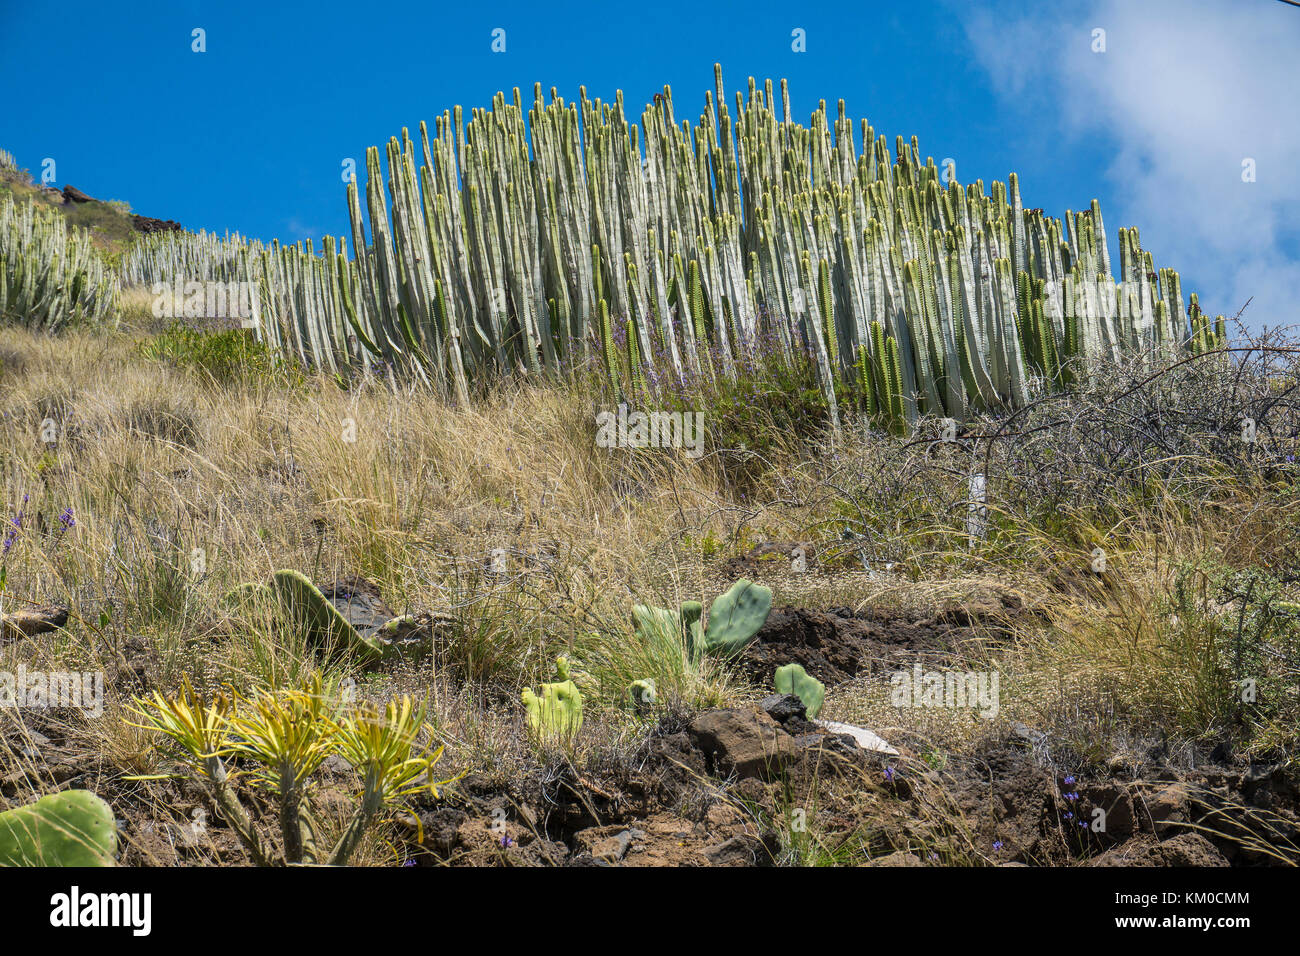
(863, 737)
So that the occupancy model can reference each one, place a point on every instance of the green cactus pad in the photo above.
(556, 713)
(308, 608)
(735, 617)
(641, 693)
(245, 595)
(691, 616)
(657, 624)
(793, 679)
(72, 828)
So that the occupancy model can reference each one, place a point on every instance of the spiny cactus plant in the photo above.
(71, 828)
(793, 679)
(554, 715)
(7, 161)
(523, 237)
(50, 276)
(734, 618)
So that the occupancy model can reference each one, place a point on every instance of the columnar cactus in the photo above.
(51, 276)
(523, 240)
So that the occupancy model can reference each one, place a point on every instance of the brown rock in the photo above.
(28, 621)
(440, 829)
(743, 741)
(897, 858)
(1117, 803)
(1164, 809)
(742, 850)
(1186, 849)
(147, 225)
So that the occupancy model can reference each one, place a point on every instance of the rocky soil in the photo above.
(742, 786)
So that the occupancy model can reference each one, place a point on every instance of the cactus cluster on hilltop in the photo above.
(529, 236)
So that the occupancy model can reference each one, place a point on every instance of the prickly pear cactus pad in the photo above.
(308, 607)
(72, 828)
(656, 624)
(793, 679)
(641, 693)
(692, 625)
(556, 713)
(735, 617)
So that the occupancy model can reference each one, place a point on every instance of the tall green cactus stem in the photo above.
(635, 374)
(609, 353)
(793, 679)
(695, 300)
(866, 381)
(70, 828)
(828, 314)
(894, 376)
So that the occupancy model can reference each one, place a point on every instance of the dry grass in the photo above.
(182, 488)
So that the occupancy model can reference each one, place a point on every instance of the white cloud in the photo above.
(298, 230)
(1186, 90)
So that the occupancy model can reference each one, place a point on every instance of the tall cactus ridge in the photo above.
(866, 382)
(51, 275)
(815, 329)
(897, 410)
(460, 381)
(473, 254)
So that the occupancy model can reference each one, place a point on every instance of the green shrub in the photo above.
(772, 404)
(227, 356)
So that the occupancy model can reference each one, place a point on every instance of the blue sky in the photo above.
(250, 135)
